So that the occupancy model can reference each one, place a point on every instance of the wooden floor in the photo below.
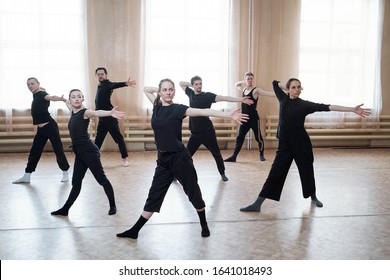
(354, 224)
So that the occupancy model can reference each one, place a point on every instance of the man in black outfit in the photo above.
(202, 128)
(103, 102)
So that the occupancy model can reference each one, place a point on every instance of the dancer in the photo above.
(87, 154)
(47, 129)
(252, 92)
(294, 143)
(174, 160)
(103, 102)
(202, 128)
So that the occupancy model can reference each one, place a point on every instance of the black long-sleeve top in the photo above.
(292, 114)
(104, 92)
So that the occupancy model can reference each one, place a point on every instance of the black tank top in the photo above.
(251, 110)
(78, 128)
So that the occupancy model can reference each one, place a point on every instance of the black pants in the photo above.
(302, 153)
(172, 165)
(253, 124)
(110, 124)
(209, 139)
(88, 157)
(48, 132)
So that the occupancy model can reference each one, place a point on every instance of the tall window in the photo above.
(340, 51)
(185, 38)
(43, 39)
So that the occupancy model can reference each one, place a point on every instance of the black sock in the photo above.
(111, 198)
(63, 211)
(205, 229)
(133, 232)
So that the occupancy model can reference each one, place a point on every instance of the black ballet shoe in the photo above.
(205, 231)
(112, 210)
(230, 159)
(60, 212)
(224, 178)
(262, 158)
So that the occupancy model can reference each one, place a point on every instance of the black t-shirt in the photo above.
(167, 126)
(104, 92)
(292, 114)
(202, 100)
(78, 128)
(40, 108)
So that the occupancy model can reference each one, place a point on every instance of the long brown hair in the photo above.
(157, 101)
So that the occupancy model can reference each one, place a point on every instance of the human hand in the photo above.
(131, 83)
(239, 117)
(362, 111)
(117, 114)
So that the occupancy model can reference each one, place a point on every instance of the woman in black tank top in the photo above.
(86, 152)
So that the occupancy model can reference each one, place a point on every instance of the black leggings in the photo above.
(253, 124)
(88, 156)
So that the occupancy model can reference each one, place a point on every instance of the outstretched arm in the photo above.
(130, 83)
(357, 109)
(245, 99)
(104, 113)
(184, 85)
(149, 92)
(55, 98)
(234, 115)
(262, 92)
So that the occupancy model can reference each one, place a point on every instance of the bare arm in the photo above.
(234, 115)
(240, 85)
(184, 85)
(262, 92)
(245, 100)
(104, 113)
(67, 103)
(149, 92)
(357, 110)
(55, 98)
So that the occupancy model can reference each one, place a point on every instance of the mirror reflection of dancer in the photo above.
(103, 102)
(202, 128)
(249, 90)
(47, 129)
(294, 143)
(174, 160)
(87, 155)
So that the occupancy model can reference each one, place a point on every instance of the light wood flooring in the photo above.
(354, 224)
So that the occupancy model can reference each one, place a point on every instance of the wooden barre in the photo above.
(339, 130)
(185, 139)
(341, 137)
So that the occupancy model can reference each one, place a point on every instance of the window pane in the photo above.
(185, 38)
(44, 39)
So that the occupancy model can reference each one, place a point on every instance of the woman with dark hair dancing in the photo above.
(86, 152)
(174, 160)
(294, 143)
